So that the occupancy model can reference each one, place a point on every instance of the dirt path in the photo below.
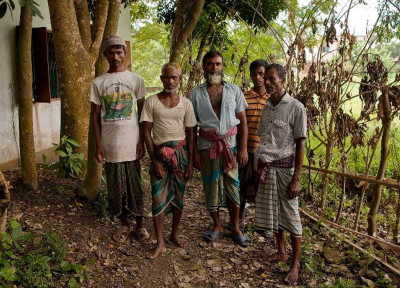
(55, 207)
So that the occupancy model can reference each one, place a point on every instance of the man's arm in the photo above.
(242, 139)
(189, 143)
(96, 122)
(140, 146)
(294, 185)
(158, 169)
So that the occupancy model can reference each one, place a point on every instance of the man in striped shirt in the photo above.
(256, 98)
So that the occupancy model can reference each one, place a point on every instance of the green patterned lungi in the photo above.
(171, 188)
(217, 184)
(124, 188)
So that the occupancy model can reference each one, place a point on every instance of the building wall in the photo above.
(46, 116)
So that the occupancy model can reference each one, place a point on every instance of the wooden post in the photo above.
(396, 226)
(4, 202)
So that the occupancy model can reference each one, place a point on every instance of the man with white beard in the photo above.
(220, 107)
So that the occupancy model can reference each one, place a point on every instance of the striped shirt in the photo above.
(256, 103)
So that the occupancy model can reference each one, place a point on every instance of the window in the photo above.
(45, 83)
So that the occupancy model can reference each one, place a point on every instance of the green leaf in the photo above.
(61, 153)
(35, 11)
(44, 158)
(3, 9)
(16, 229)
(66, 266)
(26, 237)
(73, 142)
(42, 259)
(72, 283)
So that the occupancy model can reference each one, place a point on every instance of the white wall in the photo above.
(124, 24)
(46, 116)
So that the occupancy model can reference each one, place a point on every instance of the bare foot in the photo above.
(179, 242)
(292, 275)
(277, 257)
(160, 249)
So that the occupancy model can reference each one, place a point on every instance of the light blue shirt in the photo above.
(233, 102)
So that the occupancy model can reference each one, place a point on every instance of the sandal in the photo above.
(121, 234)
(211, 235)
(241, 240)
(143, 236)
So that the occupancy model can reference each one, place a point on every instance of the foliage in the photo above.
(70, 163)
(389, 24)
(30, 268)
(55, 246)
(149, 38)
(254, 12)
(92, 5)
(10, 5)
(6, 5)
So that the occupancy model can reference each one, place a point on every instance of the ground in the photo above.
(57, 207)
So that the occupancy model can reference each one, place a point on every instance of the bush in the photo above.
(23, 268)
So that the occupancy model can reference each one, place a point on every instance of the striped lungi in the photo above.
(170, 189)
(217, 184)
(274, 210)
(124, 188)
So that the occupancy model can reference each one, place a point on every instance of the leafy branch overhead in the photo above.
(10, 6)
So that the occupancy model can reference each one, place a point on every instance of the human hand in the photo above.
(158, 170)
(189, 171)
(242, 157)
(197, 162)
(99, 154)
(293, 189)
(140, 150)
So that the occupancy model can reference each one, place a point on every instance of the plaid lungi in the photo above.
(217, 184)
(170, 189)
(274, 210)
(124, 188)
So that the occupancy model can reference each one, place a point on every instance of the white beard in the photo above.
(170, 91)
(214, 78)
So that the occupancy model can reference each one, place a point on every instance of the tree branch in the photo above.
(83, 18)
(99, 23)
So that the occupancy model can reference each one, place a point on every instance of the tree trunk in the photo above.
(94, 168)
(328, 159)
(195, 73)
(4, 202)
(187, 14)
(74, 70)
(377, 191)
(75, 63)
(26, 138)
(360, 203)
(396, 225)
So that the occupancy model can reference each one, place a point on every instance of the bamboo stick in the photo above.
(386, 182)
(395, 248)
(394, 269)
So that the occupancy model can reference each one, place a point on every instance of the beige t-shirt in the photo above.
(117, 93)
(168, 123)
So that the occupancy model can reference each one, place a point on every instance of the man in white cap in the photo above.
(119, 142)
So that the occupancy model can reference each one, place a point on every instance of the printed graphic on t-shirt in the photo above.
(118, 106)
